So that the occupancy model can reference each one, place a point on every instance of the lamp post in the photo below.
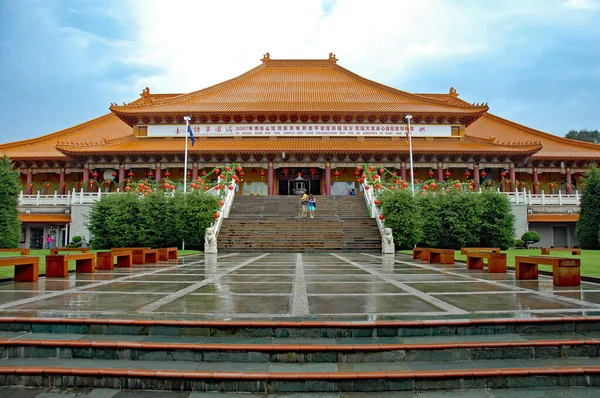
(412, 176)
(187, 124)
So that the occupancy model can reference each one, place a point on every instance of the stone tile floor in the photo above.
(572, 392)
(350, 286)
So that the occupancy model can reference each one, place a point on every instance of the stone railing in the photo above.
(387, 242)
(212, 233)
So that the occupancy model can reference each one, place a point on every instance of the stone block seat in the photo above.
(106, 260)
(496, 262)
(418, 253)
(21, 251)
(141, 255)
(57, 250)
(57, 265)
(436, 255)
(167, 253)
(26, 267)
(466, 250)
(574, 250)
(565, 271)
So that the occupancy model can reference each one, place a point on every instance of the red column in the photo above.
(440, 170)
(327, 179)
(536, 188)
(157, 173)
(28, 189)
(403, 171)
(476, 176)
(270, 179)
(86, 177)
(61, 182)
(121, 172)
(569, 185)
(194, 171)
(512, 174)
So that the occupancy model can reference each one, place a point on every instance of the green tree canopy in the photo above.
(10, 225)
(588, 225)
(592, 136)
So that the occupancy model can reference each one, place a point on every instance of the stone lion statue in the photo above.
(210, 241)
(387, 242)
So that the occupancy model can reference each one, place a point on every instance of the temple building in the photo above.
(292, 123)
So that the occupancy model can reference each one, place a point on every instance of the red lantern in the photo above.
(262, 173)
(467, 173)
(166, 186)
(130, 174)
(172, 187)
(507, 182)
(313, 171)
(189, 173)
(94, 175)
(203, 173)
(399, 181)
(458, 185)
(433, 185)
(221, 203)
(206, 188)
(381, 171)
(217, 171)
(447, 173)
(377, 202)
(392, 187)
(381, 217)
(425, 187)
(228, 169)
(357, 173)
(489, 183)
(30, 185)
(114, 173)
(470, 187)
(395, 173)
(285, 171)
(140, 185)
(568, 186)
(193, 185)
(242, 174)
(239, 168)
(222, 176)
(371, 168)
(231, 187)
(430, 173)
(367, 187)
(336, 173)
(150, 173)
(216, 215)
(404, 184)
(377, 186)
(503, 174)
(167, 174)
(483, 174)
(551, 185)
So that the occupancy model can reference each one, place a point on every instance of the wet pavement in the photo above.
(350, 286)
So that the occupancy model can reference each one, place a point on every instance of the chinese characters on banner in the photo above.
(299, 130)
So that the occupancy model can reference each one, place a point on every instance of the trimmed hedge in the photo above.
(453, 220)
(126, 220)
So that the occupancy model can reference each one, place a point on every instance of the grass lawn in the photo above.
(590, 259)
(9, 272)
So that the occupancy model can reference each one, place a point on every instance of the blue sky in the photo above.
(62, 62)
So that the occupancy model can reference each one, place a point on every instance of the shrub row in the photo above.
(126, 220)
(453, 220)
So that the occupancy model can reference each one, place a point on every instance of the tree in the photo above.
(584, 135)
(497, 226)
(10, 225)
(530, 237)
(399, 208)
(588, 225)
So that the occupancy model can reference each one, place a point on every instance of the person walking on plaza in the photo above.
(312, 205)
(304, 206)
(49, 240)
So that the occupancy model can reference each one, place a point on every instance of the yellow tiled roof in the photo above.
(46, 218)
(280, 86)
(552, 217)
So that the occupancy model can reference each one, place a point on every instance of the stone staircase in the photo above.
(273, 224)
(479, 357)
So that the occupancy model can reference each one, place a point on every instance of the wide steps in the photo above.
(310, 356)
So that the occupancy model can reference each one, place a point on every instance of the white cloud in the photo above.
(199, 43)
(583, 4)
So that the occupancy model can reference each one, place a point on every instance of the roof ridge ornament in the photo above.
(146, 97)
(266, 58)
(453, 92)
(333, 58)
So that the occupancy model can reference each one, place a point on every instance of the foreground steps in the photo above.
(283, 356)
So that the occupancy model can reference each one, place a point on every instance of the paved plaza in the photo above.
(296, 286)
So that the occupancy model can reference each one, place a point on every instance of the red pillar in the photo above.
(536, 188)
(121, 173)
(476, 175)
(29, 189)
(270, 179)
(327, 179)
(86, 177)
(440, 171)
(569, 186)
(61, 182)
(512, 174)
(157, 175)
(194, 171)
(403, 171)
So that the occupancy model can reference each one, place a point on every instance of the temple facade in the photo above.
(290, 124)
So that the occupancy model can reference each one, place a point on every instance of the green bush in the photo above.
(530, 237)
(519, 244)
(126, 220)
(453, 220)
(76, 239)
(10, 225)
(587, 228)
(399, 208)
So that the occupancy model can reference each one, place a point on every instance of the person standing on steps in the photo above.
(312, 205)
(304, 206)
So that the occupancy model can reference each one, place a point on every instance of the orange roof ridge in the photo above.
(494, 141)
(542, 133)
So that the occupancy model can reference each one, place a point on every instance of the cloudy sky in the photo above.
(62, 62)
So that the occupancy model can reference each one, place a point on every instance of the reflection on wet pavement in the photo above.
(350, 286)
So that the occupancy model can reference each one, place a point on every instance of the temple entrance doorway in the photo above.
(297, 181)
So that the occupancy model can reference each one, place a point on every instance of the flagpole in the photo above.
(412, 176)
(187, 125)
